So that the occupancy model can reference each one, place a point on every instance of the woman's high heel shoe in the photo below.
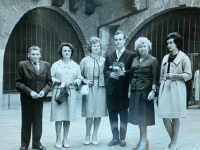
(58, 146)
(167, 148)
(175, 147)
(87, 142)
(136, 146)
(143, 147)
(66, 145)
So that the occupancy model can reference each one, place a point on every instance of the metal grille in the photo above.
(184, 21)
(44, 28)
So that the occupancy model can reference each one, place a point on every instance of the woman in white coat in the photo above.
(196, 86)
(65, 74)
(175, 70)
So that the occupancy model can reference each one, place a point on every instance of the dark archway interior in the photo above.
(184, 21)
(42, 27)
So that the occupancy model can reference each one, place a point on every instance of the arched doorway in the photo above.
(185, 21)
(42, 27)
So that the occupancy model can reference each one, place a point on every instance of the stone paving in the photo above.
(10, 126)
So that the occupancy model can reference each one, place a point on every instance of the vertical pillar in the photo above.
(1, 77)
(104, 35)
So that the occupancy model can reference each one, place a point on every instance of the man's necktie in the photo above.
(36, 66)
(118, 54)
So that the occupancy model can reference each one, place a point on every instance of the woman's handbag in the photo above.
(84, 89)
(62, 96)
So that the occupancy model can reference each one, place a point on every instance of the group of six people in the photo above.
(123, 84)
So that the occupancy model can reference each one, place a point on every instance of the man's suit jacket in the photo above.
(28, 79)
(121, 85)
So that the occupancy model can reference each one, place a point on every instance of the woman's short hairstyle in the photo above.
(33, 47)
(93, 40)
(142, 40)
(65, 44)
(178, 40)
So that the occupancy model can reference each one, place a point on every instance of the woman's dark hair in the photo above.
(65, 44)
(178, 40)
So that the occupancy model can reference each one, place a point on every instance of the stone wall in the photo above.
(10, 13)
(155, 8)
(108, 11)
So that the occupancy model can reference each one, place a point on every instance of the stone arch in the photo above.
(183, 20)
(7, 31)
(8, 24)
(74, 25)
(130, 31)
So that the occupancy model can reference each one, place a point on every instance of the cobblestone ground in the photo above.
(10, 124)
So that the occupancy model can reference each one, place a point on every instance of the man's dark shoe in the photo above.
(113, 142)
(23, 148)
(39, 147)
(122, 143)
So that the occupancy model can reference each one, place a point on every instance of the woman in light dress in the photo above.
(93, 104)
(175, 71)
(65, 74)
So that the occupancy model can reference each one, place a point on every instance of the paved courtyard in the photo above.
(10, 126)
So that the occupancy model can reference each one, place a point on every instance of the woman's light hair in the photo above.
(93, 40)
(142, 40)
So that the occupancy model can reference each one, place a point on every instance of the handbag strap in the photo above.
(56, 92)
(65, 89)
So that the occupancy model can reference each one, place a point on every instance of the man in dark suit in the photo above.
(117, 82)
(33, 81)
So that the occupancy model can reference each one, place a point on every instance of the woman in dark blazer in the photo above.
(143, 81)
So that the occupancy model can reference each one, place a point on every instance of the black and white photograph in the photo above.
(100, 74)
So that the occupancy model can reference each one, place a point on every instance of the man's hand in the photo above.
(41, 94)
(34, 95)
(121, 73)
(114, 75)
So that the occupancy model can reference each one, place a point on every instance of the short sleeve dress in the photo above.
(65, 72)
(142, 76)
